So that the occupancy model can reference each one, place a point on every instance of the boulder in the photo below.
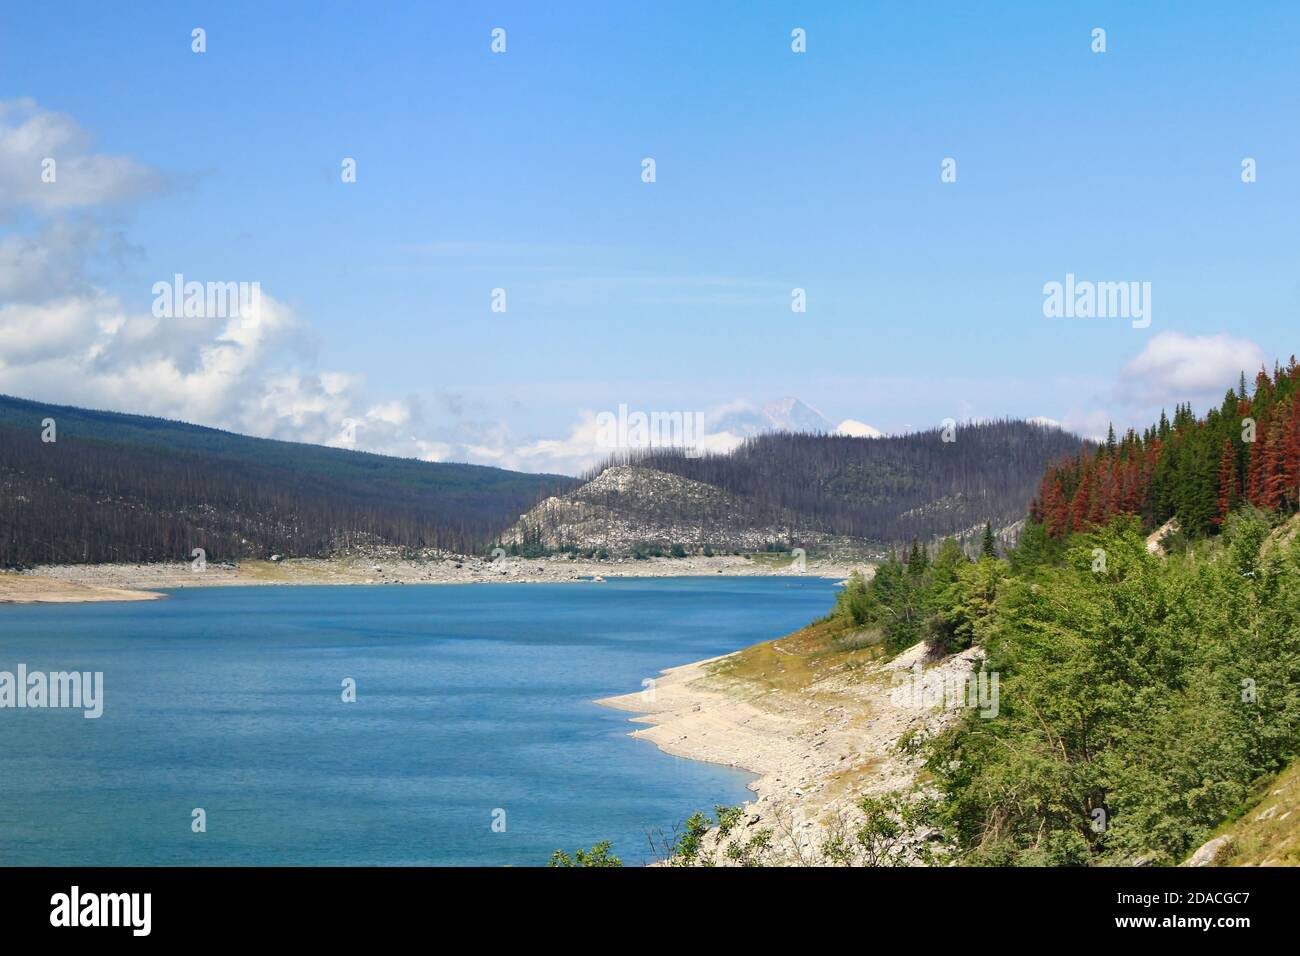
(1212, 853)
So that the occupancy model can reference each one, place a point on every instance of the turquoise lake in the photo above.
(470, 699)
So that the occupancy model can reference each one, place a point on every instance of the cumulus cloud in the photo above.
(52, 262)
(1176, 368)
(89, 350)
(77, 177)
(587, 445)
(85, 347)
(65, 338)
(1172, 368)
(1093, 423)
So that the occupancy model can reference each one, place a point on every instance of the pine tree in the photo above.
(1288, 475)
(1229, 482)
(1102, 506)
(1080, 503)
(989, 546)
(917, 560)
(1056, 512)
(1271, 475)
(1256, 472)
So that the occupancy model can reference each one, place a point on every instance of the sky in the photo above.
(523, 171)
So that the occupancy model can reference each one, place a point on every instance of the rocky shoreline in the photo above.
(820, 735)
(130, 582)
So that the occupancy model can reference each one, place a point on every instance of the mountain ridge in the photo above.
(798, 489)
(112, 486)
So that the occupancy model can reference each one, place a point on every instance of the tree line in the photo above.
(1189, 469)
(132, 489)
(922, 485)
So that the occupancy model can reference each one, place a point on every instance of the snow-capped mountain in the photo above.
(787, 414)
(857, 429)
(743, 420)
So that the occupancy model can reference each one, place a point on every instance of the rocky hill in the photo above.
(627, 507)
(809, 490)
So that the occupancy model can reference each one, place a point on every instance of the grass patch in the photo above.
(792, 663)
(1273, 840)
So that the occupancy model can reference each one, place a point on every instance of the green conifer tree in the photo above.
(989, 546)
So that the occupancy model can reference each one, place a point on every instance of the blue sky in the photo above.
(775, 170)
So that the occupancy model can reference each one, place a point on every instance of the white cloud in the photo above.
(1172, 368)
(582, 448)
(52, 263)
(392, 413)
(1093, 423)
(30, 135)
(65, 338)
(89, 350)
(1177, 368)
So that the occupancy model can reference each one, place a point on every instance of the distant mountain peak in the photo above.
(792, 414)
(788, 414)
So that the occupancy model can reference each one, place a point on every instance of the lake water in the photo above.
(470, 699)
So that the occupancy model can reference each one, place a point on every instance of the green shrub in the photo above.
(598, 855)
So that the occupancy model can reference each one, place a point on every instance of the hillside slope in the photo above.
(627, 506)
(808, 489)
(1266, 833)
(116, 487)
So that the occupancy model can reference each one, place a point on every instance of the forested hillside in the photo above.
(885, 490)
(1144, 698)
(1193, 470)
(115, 487)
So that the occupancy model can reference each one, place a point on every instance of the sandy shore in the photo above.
(820, 730)
(34, 589)
(124, 582)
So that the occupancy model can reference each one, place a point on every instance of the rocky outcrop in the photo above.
(628, 507)
(1213, 853)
